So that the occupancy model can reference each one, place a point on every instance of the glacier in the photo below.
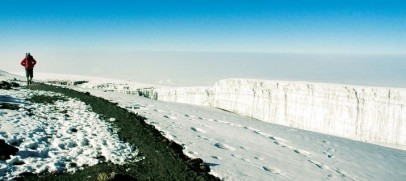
(369, 114)
(242, 148)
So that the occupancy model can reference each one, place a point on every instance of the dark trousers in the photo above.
(29, 73)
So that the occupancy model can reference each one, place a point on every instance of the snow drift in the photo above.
(369, 114)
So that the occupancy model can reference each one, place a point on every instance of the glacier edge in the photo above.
(368, 114)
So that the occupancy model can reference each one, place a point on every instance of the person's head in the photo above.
(27, 54)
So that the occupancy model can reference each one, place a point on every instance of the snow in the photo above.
(64, 136)
(370, 114)
(242, 148)
(8, 76)
(106, 84)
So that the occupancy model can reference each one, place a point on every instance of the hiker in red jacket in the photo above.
(28, 62)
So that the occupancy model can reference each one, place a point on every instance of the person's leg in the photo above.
(31, 75)
(27, 74)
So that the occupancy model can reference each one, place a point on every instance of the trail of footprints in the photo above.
(230, 148)
(329, 152)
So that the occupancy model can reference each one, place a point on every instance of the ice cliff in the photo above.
(369, 114)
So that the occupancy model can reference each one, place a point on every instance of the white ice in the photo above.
(370, 114)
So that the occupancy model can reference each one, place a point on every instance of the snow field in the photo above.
(64, 136)
(239, 148)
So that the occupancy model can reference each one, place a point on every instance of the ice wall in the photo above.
(370, 114)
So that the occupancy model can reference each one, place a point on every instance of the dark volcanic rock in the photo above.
(176, 147)
(14, 84)
(5, 85)
(198, 165)
(6, 150)
(9, 106)
(196, 161)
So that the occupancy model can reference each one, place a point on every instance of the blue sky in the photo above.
(340, 26)
(197, 42)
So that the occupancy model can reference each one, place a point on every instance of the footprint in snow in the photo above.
(198, 130)
(224, 146)
(258, 132)
(170, 136)
(259, 158)
(203, 137)
(302, 152)
(246, 160)
(170, 117)
(329, 152)
(189, 116)
(337, 171)
(345, 175)
(241, 158)
(320, 165)
(192, 153)
(272, 170)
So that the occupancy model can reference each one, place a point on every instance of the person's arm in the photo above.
(33, 62)
(23, 62)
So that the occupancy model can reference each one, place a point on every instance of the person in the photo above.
(29, 62)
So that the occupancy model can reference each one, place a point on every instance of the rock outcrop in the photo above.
(6, 150)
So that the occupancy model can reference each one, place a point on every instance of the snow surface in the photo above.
(106, 84)
(64, 136)
(370, 114)
(8, 76)
(240, 148)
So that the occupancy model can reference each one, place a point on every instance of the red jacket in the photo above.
(28, 62)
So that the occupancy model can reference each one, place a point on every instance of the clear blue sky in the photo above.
(197, 42)
(334, 26)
